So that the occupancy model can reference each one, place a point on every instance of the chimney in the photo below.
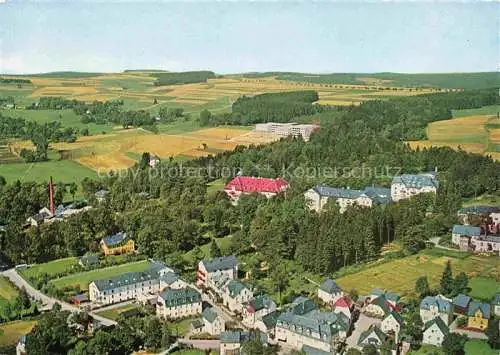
(51, 196)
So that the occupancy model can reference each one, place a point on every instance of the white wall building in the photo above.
(329, 291)
(288, 129)
(434, 332)
(179, 303)
(207, 269)
(438, 306)
(256, 308)
(234, 295)
(213, 323)
(392, 322)
(408, 185)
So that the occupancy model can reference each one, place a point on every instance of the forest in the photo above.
(187, 77)
(180, 213)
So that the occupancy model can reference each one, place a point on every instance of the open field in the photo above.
(223, 244)
(10, 333)
(478, 347)
(115, 312)
(400, 275)
(484, 288)
(84, 278)
(112, 151)
(7, 292)
(51, 268)
(478, 134)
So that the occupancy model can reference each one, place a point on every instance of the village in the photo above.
(227, 312)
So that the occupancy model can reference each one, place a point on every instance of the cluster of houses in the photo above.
(402, 187)
(46, 215)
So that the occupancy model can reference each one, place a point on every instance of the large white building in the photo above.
(256, 308)
(225, 265)
(329, 291)
(318, 196)
(235, 294)
(288, 129)
(128, 286)
(178, 303)
(408, 185)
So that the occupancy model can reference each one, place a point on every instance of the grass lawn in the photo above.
(51, 268)
(7, 290)
(214, 186)
(427, 350)
(479, 347)
(84, 278)
(223, 244)
(484, 200)
(115, 312)
(11, 332)
(400, 275)
(61, 171)
(484, 288)
(181, 326)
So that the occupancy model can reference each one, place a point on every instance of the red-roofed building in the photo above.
(344, 305)
(249, 184)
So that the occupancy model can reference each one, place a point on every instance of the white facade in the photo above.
(229, 348)
(401, 192)
(329, 297)
(217, 326)
(433, 336)
(179, 311)
(235, 303)
(390, 323)
(250, 316)
(123, 293)
(408, 185)
(297, 340)
(446, 314)
(287, 129)
(205, 277)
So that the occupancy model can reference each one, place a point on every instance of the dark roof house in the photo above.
(221, 263)
(330, 287)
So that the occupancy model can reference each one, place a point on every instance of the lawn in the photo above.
(7, 290)
(180, 326)
(51, 268)
(484, 288)
(115, 312)
(10, 333)
(479, 347)
(215, 186)
(84, 278)
(485, 110)
(223, 244)
(400, 275)
(427, 350)
(61, 171)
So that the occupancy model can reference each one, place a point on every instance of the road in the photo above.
(17, 280)
(435, 241)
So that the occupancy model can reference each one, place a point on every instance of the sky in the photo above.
(245, 36)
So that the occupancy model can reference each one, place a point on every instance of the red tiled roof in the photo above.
(343, 302)
(256, 184)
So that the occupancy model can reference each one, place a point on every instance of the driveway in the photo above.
(360, 326)
(17, 280)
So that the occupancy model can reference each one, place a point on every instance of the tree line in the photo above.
(187, 77)
(4, 80)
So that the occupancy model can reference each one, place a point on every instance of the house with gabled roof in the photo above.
(496, 304)
(372, 336)
(407, 185)
(244, 185)
(344, 305)
(434, 332)
(235, 295)
(485, 244)
(460, 230)
(436, 307)
(267, 325)
(379, 307)
(171, 280)
(392, 322)
(461, 304)
(329, 291)
(116, 244)
(178, 303)
(256, 308)
(207, 269)
(213, 322)
(318, 196)
(478, 315)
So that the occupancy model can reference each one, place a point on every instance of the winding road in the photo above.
(47, 301)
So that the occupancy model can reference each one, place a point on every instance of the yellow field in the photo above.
(109, 151)
(467, 133)
(13, 331)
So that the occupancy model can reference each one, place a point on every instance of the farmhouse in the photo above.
(372, 336)
(213, 323)
(459, 231)
(408, 185)
(178, 303)
(207, 269)
(319, 195)
(478, 315)
(116, 244)
(320, 330)
(288, 129)
(248, 184)
(256, 308)
(434, 332)
(329, 291)
(436, 307)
